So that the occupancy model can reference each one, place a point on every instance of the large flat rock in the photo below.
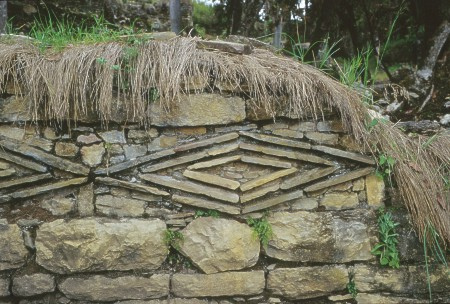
(217, 245)
(12, 250)
(319, 237)
(218, 284)
(92, 244)
(198, 110)
(102, 288)
(307, 282)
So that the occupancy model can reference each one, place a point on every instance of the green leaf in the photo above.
(382, 160)
(384, 261)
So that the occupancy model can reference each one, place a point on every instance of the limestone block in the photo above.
(198, 110)
(85, 200)
(322, 138)
(113, 137)
(319, 237)
(119, 206)
(12, 249)
(92, 155)
(218, 284)
(217, 245)
(406, 279)
(12, 132)
(33, 284)
(133, 151)
(102, 288)
(375, 191)
(307, 282)
(88, 139)
(368, 298)
(339, 201)
(4, 287)
(92, 244)
(58, 205)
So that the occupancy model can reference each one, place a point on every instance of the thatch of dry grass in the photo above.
(66, 85)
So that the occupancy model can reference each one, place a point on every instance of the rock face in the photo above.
(197, 110)
(102, 288)
(216, 245)
(218, 284)
(319, 237)
(307, 282)
(12, 250)
(34, 284)
(85, 245)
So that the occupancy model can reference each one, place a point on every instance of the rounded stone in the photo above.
(217, 245)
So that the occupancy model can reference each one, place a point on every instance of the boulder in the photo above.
(216, 245)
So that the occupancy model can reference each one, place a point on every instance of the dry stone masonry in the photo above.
(94, 214)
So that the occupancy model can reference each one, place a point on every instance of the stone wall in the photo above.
(85, 212)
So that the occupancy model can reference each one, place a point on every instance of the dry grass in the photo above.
(86, 79)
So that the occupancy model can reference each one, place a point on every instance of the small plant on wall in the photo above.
(173, 238)
(261, 229)
(386, 249)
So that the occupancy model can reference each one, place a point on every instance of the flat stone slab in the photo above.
(12, 249)
(175, 162)
(307, 282)
(251, 195)
(340, 179)
(349, 155)
(276, 140)
(306, 177)
(22, 181)
(340, 201)
(133, 186)
(84, 245)
(7, 172)
(46, 158)
(191, 187)
(33, 284)
(102, 288)
(214, 162)
(225, 46)
(287, 154)
(199, 110)
(134, 162)
(265, 162)
(266, 179)
(205, 204)
(283, 198)
(217, 245)
(212, 179)
(22, 162)
(43, 189)
(218, 284)
(207, 142)
(320, 237)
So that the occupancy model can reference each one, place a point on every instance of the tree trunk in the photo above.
(3, 16)
(277, 35)
(175, 16)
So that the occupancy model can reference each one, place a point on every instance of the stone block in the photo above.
(320, 237)
(113, 137)
(14, 109)
(92, 155)
(33, 284)
(217, 245)
(340, 201)
(368, 298)
(306, 203)
(12, 249)
(307, 282)
(375, 191)
(406, 279)
(218, 284)
(85, 200)
(12, 132)
(133, 151)
(66, 149)
(119, 206)
(58, 205)
(199, 110)
(322, 138)
(93, 244)
(4, 287)
(103, 289)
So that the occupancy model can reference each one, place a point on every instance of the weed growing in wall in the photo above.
(351, 285)
(386, 249)
(206, 213)
(261, 229)
(173, 238)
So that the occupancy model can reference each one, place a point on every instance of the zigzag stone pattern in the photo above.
(95, 206)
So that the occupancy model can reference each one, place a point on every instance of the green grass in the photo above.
(60, 33)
